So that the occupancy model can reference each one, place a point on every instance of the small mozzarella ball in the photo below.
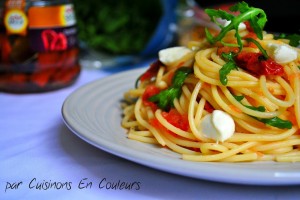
(218, 126)
(173, 54)
(281, 53)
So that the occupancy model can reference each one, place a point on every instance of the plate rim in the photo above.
(162, 164)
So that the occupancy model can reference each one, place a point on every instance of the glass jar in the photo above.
(38, 46)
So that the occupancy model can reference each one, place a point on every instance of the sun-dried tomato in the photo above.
(258, 65)
(151, 71)
(48, 36)
(208, 107)
(59, 43)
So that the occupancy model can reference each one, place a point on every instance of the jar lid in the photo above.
(47, 2)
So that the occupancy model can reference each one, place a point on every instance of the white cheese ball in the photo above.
(281, 53)
(173, 54)
(218, 126)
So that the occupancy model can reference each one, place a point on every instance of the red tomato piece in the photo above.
(253, 36)
(42, 78)
(155, 123)
(59, 43)
(152, 71)
(176, 119)
(6, 49)
(48, 36)
(208, 107)
(150, 91)
(271, 67)
(249, 61)
(256, 64)
(227, 49)
(248, 26)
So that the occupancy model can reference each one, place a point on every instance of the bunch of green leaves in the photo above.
(256, 17)
(165, 98)
(117, 27)
(275, 121)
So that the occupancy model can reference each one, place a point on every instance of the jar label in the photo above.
(51, 16)
(16, 22)
(52, 28)
(15, 19)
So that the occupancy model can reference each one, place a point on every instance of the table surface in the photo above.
(42, 159)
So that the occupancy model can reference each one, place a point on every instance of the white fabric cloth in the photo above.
(40, 158)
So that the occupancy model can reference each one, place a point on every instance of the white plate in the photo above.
(93, 113)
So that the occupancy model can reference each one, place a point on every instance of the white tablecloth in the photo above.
(40, 158)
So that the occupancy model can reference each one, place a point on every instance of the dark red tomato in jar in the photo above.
(43, 54)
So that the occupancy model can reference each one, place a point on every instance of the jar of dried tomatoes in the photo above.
(38, 46)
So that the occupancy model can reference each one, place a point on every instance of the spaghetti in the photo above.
(264, 105)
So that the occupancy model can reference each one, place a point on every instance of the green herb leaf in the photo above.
(262, 50)
(293, 38)
(230, 65)
(259, 108)
(136, 84)
(255, 16)
(180, 76)
(214, 14)
(242, 7)
(225, 70)
(275, 121)
(239, 98)
(165, 98)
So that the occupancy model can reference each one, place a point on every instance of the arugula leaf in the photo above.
(136, 84)
(225, 70)
(165, 98)
(256, 17)
(239, 98)
(180, 76)
(262, 50)
(230, 65)
(275, 121)
(214, 14)
(259, 108)
(294, 39)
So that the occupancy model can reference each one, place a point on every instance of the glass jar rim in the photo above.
(42, 3)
